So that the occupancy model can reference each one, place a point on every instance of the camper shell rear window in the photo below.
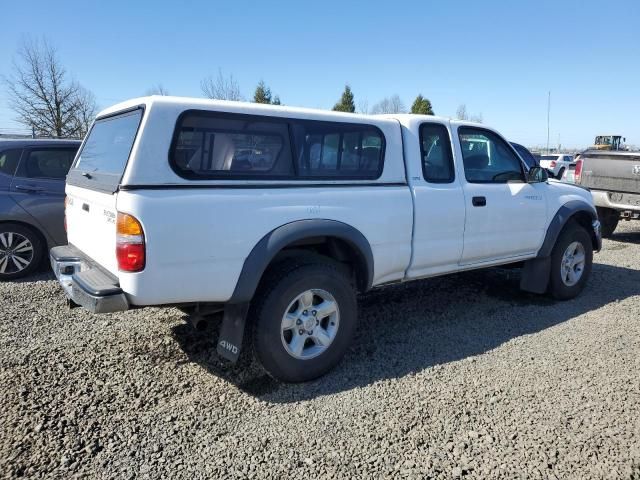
(102, 159)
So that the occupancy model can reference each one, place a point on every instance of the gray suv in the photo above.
(32, 178)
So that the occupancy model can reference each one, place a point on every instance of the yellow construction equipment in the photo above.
(609, 142)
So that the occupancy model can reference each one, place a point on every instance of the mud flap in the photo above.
(535, 275)
(232, 331)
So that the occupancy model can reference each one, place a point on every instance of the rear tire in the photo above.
(571, 261)
(608, 221)
(21, 251)
(304, 319)
(560, 173)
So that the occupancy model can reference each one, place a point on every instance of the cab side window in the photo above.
(47, 163)
(487, 158)
(435, 149)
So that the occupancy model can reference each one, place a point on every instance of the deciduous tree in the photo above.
(462, 114)
(391, 104)
(158, 90)
(43, 96)
(221, 88)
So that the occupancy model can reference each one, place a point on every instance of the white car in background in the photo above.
(556, 163)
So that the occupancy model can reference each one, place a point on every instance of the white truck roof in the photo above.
(148, 162)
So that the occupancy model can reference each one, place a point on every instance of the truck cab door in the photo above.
(506, 217)
(439, 209)
(38, 186)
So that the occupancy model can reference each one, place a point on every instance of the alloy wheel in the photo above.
(572, 264)
(16, 252)
(310, 324)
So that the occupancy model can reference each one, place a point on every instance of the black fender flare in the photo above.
(536, 272)
(273, 242)
(560, 219)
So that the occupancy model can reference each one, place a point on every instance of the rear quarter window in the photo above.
(9, 160)
(437, 158)
(51, 163)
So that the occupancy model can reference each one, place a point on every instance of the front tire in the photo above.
(304, 319)
(571, 261)
(21, 251)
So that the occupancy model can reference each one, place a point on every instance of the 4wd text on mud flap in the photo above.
(228, 346)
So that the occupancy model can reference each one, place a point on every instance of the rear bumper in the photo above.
(605, 199)
(86, 283)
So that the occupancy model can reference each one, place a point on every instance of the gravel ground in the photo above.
(460, 376)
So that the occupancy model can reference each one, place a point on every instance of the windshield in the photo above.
(549, 157)
(109, 143)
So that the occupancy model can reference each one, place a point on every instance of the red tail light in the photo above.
(578, 172)
(552, 164)
(130, 247)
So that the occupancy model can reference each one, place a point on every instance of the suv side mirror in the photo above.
(537, 175)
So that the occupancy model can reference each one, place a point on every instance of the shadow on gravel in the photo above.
(415, 326)
(626, 237)
(38, 276)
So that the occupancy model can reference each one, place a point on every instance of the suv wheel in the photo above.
(21, 251)
(608, 220)
(304, 320)
(571, 260)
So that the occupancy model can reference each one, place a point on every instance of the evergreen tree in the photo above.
(422, 106)
(262, 94)
(276, 100)
(346, 103)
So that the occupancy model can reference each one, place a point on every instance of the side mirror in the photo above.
(537, 175)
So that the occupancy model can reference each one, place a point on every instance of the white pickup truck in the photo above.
(277, 217)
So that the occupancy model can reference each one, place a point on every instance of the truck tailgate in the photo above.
(611, 171)
(92, 186)
(91, 224)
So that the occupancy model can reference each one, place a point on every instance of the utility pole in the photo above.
(548, 117)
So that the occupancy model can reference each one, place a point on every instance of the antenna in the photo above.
(548, 116)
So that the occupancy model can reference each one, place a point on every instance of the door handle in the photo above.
(479, 201)
(29, 188)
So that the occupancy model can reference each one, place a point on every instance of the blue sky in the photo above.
(500, 58)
